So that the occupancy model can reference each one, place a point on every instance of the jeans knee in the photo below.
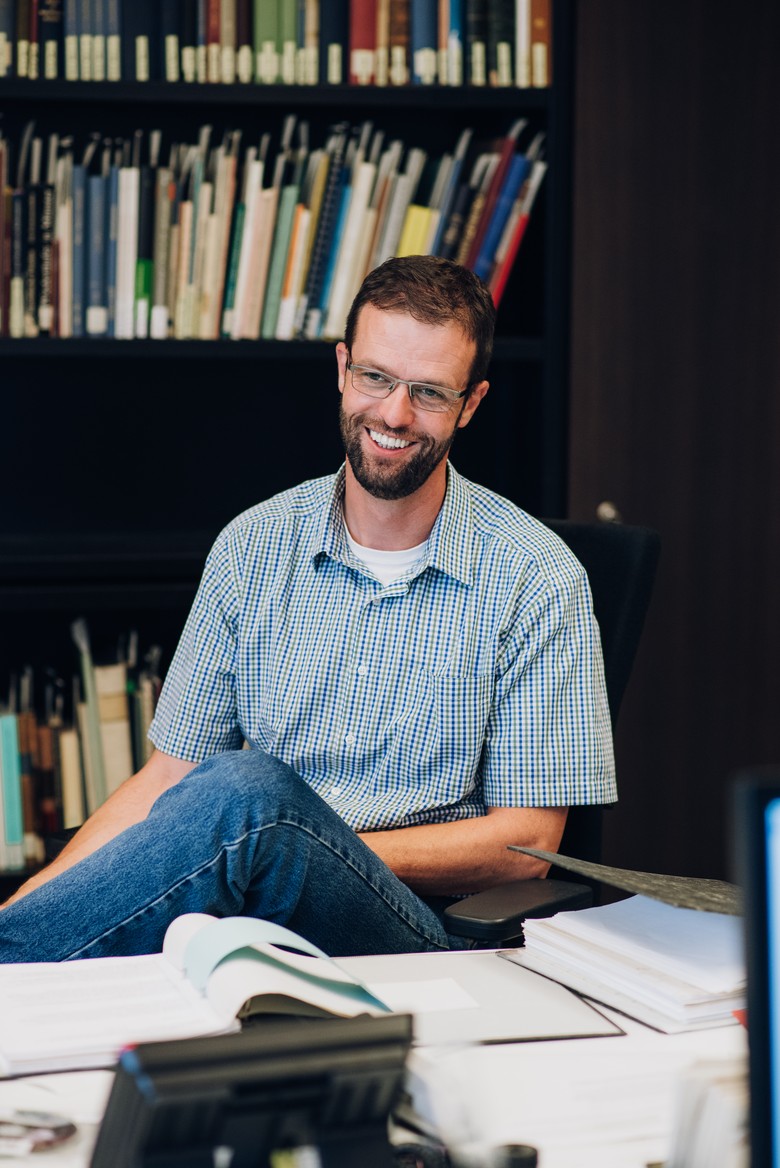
(252, 782)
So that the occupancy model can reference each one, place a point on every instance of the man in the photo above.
(412, 659)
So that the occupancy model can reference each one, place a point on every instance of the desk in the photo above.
(585, 1103)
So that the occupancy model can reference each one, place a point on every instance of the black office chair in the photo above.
(620, 561)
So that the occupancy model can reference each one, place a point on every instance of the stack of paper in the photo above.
(673, 968)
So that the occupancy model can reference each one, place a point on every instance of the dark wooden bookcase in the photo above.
(123, 459)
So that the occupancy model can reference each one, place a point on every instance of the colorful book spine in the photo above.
(113, 28)
(362, 42)
(266, 42)
(7, 37)
(424, 42)
(97, 298)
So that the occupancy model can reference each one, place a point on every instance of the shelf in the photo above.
(341, 97)
(523, 349)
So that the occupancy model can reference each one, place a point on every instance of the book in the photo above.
(97, 297)
(541, 43)
(11, 790)
(334, 42)
(114, 715)
(475, 42)
(70, 37)
(673, 968)
(88, 713)
(210, 976)
(362, 42)
(213, 48)
(516, 174)
(266, 42)
(85, 10)
(244, 50)
(23, 38)
(51, 39)
(506, 149)
(288, 40)
(112, 22)
(7, 37)
(424, 41)
(500, 43)
(170, 30)
(98, 25)
(399, 41)
(455, 51)
(523, 43)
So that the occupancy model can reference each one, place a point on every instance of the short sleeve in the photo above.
(197, 714)
(549, 735)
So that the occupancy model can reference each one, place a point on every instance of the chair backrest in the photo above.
(621, 562)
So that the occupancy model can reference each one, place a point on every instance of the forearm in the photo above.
(469, 855)
(129, 804)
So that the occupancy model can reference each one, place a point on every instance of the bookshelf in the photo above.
(127, 457)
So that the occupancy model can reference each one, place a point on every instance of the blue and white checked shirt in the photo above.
(474, 681)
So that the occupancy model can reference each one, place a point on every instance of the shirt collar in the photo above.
(450, 545)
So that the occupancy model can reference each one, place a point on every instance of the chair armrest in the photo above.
(497, 914)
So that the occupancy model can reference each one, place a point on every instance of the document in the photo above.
(672, 968)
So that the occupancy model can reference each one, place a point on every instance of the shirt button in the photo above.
(362, 670)
(350, 739)
(335, 790)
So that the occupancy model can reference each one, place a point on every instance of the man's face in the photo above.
(393, 446)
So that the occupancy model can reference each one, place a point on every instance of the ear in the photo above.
(342, 359)
(472, 401)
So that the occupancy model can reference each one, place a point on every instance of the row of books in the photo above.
(206, 245)
(303, 42)
(58, 765)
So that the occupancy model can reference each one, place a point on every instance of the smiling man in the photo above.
(412, 660)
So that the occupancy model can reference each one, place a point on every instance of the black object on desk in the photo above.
(284, 1084)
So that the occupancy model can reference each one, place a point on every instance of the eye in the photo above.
(431, 393)
(371, 378)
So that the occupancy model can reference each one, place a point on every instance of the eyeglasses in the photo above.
(436, 398)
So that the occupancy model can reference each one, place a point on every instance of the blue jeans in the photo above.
(241, 834)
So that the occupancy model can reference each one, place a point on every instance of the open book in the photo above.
(210, 974)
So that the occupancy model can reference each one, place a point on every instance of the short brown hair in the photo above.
(434, 291)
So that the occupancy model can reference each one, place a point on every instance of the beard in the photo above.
(383, 478)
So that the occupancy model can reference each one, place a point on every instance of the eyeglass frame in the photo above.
(452, 396)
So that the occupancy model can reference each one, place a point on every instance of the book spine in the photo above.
(541, 43)
(33, 68)
(424, 42)
(112, 239)
(523, 43)
(7, 37)
(98, 40)
(244, 48)
(188, 39)
(50, 39)
(399, 38)
(32, 255)
(18, 265)
(310, 47)
(79, 242)
(46, 244)
(334, 42)
(170, 32)
(97, 300)
(113, 30)
(284, 221)
(70, 36)
(500, 43)
(22, 38)
(212, 41)
(266, 41)
(362, 42)
(85, 39)
(455, 55)
(288, 40)
(11, 777)
(227, 41)
(476, 42)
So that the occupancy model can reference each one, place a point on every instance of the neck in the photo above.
(392, 524)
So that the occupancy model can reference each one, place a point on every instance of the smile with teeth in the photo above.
(387, 442)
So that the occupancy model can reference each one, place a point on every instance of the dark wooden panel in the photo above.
(676, 393)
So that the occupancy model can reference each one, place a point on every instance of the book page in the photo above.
(82, 1013)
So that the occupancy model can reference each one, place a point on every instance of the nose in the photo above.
(398, 408)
